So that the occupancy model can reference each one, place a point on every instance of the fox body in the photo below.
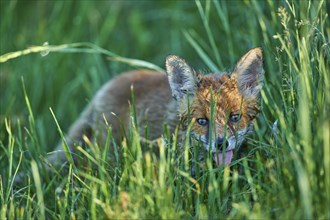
(177, 98)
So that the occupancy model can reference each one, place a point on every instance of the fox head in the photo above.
(223, 106)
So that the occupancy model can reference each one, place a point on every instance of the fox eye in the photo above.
(235, 118)
(202, 121)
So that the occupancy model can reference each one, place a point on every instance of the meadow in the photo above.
(54, 56)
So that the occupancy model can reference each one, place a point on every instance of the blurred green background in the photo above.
(147, 30)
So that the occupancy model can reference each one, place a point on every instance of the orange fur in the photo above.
(162, 98)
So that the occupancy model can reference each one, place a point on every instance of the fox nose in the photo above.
(220, 143)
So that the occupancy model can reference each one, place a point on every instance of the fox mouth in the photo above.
(223, 158)
(220, 157)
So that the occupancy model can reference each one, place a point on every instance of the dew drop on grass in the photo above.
(45, 52)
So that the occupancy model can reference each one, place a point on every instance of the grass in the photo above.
(285, 173)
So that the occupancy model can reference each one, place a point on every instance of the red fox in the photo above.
(176, 98)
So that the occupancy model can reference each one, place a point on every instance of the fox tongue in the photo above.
(219, 157)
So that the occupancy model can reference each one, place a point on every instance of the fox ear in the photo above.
(181, 77)
(250, 73)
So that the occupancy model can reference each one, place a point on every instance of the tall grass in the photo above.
(285, 171)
